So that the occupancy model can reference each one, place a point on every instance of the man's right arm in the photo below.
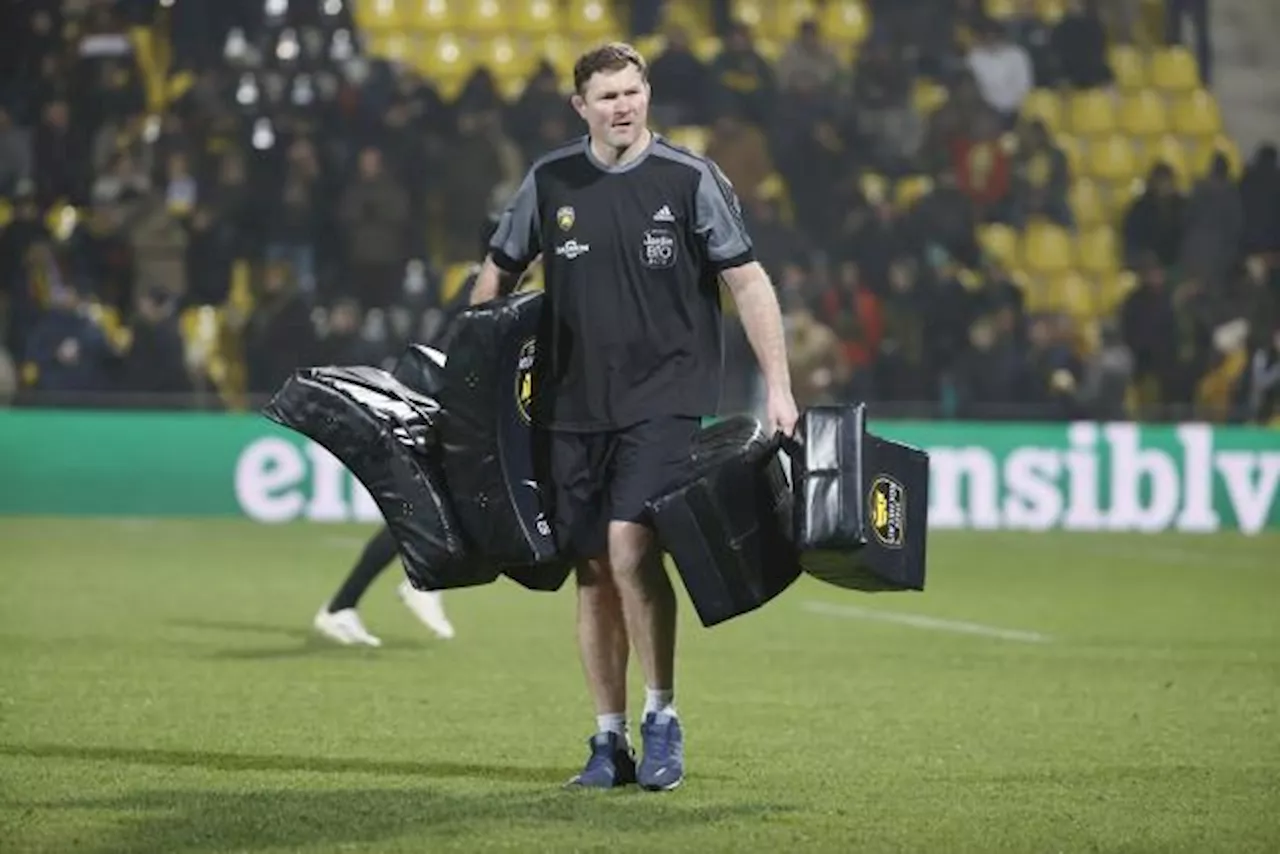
(515, 243)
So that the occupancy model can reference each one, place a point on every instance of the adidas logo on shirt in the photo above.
(664, 215)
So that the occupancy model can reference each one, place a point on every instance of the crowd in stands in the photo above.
(198, 197)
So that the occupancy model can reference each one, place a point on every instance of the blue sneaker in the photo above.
(662, 766)
(611, 764)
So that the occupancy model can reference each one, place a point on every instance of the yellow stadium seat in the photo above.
(790, 14)
(535, 16)
(1204, 151)
(651, 46)
(433, 15)
(1113, 289)
(506, 58)
(769, 49)
(1122, 197)
(1087, 203)
(1001, 243)
(379, 14)
(1045, 105)
(910, 189)
(1128, 66)
(753, 13)
(1073, 294)
(591, 18)
(485, 16)
(455, 275)
(692, 137)
(394, 47)
(1091, 112)
(1050, 11)
(1174, 69)
(562, 54)
(693, 18)
(448, 60)
(927, 96)
(1169, 151)
(1036, 294)
(846, 22)
(707, 48)
(1111, 158)
(1098, 251)
(1046, 249)
(1196, 114)
(1144, 114)
(1072, 150)
(1000, 9)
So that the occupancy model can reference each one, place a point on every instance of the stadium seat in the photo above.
(432, 15)
(1045, 105)
(1121, 197)
(1113, 288)
(1204, 151)
(592, 18)
(1000, 10)
(1196, 114)
(1000, 242)
(1111, 158)
(910, 190)
(753, 13)
(485, 16)
(535, 16)
(1169, 151)
(455, 275)
(1072, 150)
(1050, 11)
(707, 48)
(562, 54)
(508, 59)
(1087, 203)
(394, 46)
(927, 96)
(448, 61)
(846, 22)
(769, 49)
(1098, 251)
(378, 15)
(1144, 114)
(651, 46)
(1072, 294)
(1046, 249)
(1128, 66)
(692, 137)
(1174, 69)
(1091, 112)
(790, 14)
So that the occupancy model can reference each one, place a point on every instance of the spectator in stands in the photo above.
(944, 220)
(294, 226)
(372, 212)
(1215, 227)
(344, 344)
(853, 312)
(60, 158)
(890, 128)
(1260, 195)
(155, 364)
(1053, 368)
(68, 352)
(965, 117)
(1147, 317)
(819, 373)
(778, 244)
(808, 149)
(1080, 46)
(278, 336)
(741, 151)
(1002, 70)
(1176, 12)
(15, 154)
(1105, 383)
(1258, 391)
(1156, 220)
(119, 180)
(871, 231)
(181, 190)
(1026, 28)
(680, 81)
(481, 160)
(211, 251)
(1040, 178)
(541, 101)
(158, 243)
(807, 55)
(742, 80)
(26, 231)
(903, 372)
(1258, 293)
(991, 376)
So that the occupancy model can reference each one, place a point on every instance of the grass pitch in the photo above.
(160, 690)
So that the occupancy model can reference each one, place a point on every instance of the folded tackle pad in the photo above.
(448, 451)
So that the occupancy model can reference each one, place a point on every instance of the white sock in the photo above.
(615, 723)
(660, 701)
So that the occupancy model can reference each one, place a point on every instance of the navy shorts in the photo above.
(602, 477)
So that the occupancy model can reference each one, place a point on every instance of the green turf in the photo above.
(161, 691)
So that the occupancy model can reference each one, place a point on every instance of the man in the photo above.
(634, 233)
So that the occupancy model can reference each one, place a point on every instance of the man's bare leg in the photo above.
(602, 643)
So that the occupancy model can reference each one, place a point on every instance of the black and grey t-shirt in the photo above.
(631, 257)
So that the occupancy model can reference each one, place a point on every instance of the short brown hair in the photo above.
(613, 56)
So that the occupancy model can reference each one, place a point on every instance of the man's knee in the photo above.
(629, 543)
(594, 574)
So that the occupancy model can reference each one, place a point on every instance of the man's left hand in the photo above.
(781, 412)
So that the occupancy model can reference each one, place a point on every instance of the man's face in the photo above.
(615, 106)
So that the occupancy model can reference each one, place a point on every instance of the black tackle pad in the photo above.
(487, 435)
(728, 529)
(861, 503)
(421, 368)
(385, 434)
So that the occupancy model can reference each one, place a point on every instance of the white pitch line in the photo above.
(919, 621)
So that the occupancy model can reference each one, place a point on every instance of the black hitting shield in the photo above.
(385, 434)
(421, 368)
(861, 502)
(728, 528)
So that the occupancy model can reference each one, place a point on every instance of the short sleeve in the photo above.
(720, 220)
(516, 241)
